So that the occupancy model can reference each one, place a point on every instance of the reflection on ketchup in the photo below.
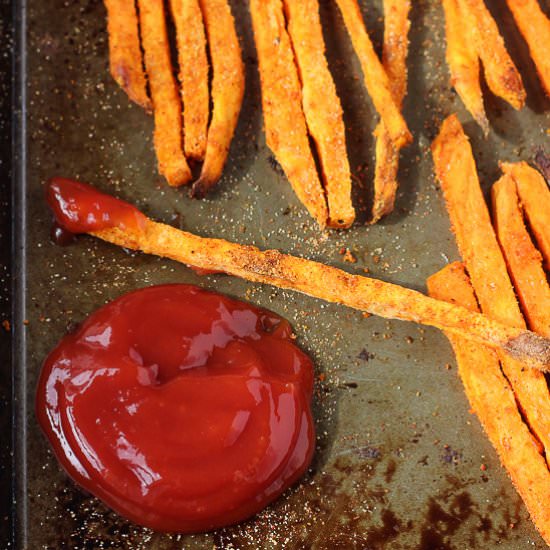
(80, 208)
(181, 409)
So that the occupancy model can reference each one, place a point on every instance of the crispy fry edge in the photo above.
(284, 121)
(193, 75)
(535, 198)
(463, 63)
(168, 134)
(493, 401)
(322, 111)
(125, 59)
(394, 58)
(501, 74)
(227, 91)
(523, 259)
(534, 25)
(456, 171)
(375, 77)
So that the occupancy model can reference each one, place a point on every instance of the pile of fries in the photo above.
(299, 101)
(473, 36)
(185, 129)
(501, 260)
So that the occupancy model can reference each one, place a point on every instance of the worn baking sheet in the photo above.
(399, 456)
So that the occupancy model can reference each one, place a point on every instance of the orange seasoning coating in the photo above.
(125, 58)
(523, 259)
(456, 171)
(193, 74)
(285, 124)
(227, 90)
(494, 403)
(164, 93)
(394, 57)
(535, 199)
(322, 110)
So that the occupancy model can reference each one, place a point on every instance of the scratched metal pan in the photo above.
(399, 456)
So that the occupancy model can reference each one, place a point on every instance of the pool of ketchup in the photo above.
(181, 409)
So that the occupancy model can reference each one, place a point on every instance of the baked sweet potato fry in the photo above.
(227, 90)
(285, 125)
(535, 198)
(456, 171)
(134, 230)
(394, 59)
(535, 29)
(523, 259)
(322, 108)
(493, 401)
(463, 63)
(125, 60)
(376, 80)
(193, 75)
(168, 136)
(501, 74)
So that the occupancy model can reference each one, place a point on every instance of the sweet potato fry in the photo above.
(285, 125)
(455, 168)
(227, 90)
(535, 29)
(376, 80)
(322, 110)
(463, 63)
(193, 75)
(535, 198)
(125, 60)
(523, 259)
(501, 74)
(315, 279)
(394, 58)
(493, 401)
(164, 93)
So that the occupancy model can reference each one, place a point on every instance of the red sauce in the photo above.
(181, 409)
(80, 208)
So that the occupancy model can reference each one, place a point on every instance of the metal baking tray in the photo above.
(399, 456)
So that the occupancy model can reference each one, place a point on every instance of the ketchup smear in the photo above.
(181, 409)
(80, 208)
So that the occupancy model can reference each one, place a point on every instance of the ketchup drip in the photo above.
(80, 208)
(181, 409)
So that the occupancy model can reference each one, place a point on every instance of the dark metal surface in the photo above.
(399, 457)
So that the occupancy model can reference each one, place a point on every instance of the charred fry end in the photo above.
(530, 345)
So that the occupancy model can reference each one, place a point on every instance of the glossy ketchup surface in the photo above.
(181, 409)
(80, 208)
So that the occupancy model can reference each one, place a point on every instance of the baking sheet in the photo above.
(399, 457)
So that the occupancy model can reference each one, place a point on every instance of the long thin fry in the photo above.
(535, 198)
(164, 93)
(523, 259)
(227, 90)
(322, 110)
(125, 59)
(285, 125)
(492, 399)
(501, 74)
(463, 63)
(535, 28)
(193, 75)
(315, 279)
(455, 168)
(376, 80)
(394, 58)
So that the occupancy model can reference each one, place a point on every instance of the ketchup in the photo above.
(80, 208)
(181, 409)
